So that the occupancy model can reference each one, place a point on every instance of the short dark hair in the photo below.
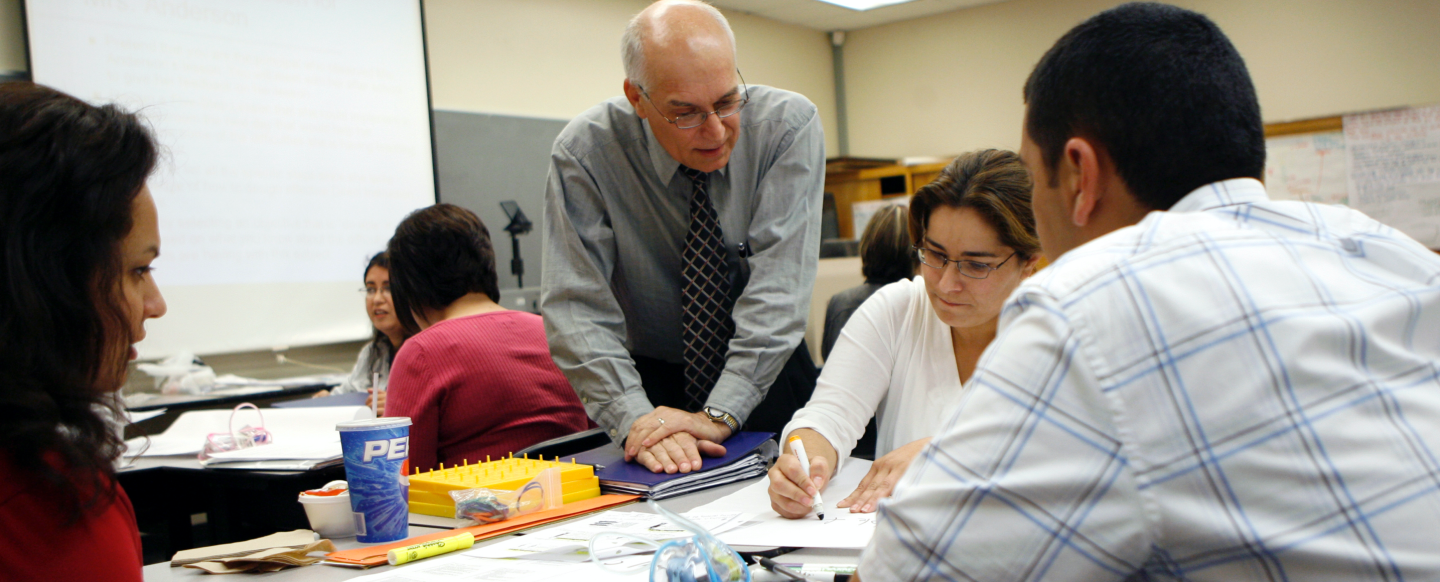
(439, 254)
(69, 176)
(995, 184)
(885, 255)
(1161, 89)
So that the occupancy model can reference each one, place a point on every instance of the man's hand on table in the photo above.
(672, 440)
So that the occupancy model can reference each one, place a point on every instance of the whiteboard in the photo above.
(295, 135)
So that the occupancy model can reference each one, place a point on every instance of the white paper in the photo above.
(135, 417)
(233, 381)
(306, 449)
(569, 542)
(287, 425)
(839, 529)
(1395, 169)
(1308, 167)
(462, 567)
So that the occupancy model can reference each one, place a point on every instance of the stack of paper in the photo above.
(747, 455)
(233, 381)
(569, 542)
(302, 438)
(560, 552)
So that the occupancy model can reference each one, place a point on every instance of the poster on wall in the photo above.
(1307, 167)
(1394, 161)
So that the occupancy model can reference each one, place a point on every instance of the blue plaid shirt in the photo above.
(1236, 389)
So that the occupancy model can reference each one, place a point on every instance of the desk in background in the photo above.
(168, 492)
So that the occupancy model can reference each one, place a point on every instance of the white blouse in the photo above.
(894, 359)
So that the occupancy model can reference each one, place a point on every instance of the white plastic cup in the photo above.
(330, 515)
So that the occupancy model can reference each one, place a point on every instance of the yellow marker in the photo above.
(409, 554)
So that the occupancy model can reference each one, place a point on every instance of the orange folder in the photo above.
(375, 555)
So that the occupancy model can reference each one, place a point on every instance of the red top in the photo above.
(480, 385)
(35, 544)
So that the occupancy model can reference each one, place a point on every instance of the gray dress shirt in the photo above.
(616, 213)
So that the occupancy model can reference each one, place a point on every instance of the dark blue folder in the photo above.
(746, 455)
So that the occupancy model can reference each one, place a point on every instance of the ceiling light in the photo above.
(863, 5)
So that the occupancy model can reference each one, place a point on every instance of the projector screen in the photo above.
(295, 133)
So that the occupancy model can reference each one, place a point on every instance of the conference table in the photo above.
(424, 524)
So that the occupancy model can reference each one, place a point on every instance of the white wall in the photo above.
(951, 83)
(557, 58)
(932, 86)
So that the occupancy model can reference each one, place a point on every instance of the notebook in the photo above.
(747, 455)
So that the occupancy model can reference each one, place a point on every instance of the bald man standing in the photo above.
(682, 233)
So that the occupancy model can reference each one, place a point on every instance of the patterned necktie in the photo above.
(705, 297)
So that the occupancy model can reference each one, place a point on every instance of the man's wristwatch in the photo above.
(724, 418)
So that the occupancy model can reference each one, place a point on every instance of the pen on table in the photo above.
(822, 572)
(798, 447)
(770, 565)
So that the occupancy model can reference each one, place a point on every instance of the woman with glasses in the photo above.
(372, 368)
(904, 356)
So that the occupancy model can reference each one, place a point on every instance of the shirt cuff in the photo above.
(799, 423)
(736, 396)
(617, 416)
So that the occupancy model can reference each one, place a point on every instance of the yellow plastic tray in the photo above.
(430, 490)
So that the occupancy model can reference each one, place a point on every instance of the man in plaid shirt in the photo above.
(1206, 384)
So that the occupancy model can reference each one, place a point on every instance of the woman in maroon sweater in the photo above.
(77, 236)
(476, 379)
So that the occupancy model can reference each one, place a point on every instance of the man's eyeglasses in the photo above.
(697, 119)
(972, 269)
(372, 291)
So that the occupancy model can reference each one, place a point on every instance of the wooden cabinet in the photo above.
(851, 180)
(923, 174)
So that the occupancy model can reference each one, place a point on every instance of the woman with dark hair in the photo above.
(476, 379)
(372, 367)
(78, 232)
(906, 353)
(885, 257)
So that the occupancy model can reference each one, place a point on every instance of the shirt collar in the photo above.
(1223, 193)
(665, 166)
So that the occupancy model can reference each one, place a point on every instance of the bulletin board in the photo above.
(1383, 163)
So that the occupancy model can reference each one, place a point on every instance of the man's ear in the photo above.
(633, 94)
(1083, 160)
